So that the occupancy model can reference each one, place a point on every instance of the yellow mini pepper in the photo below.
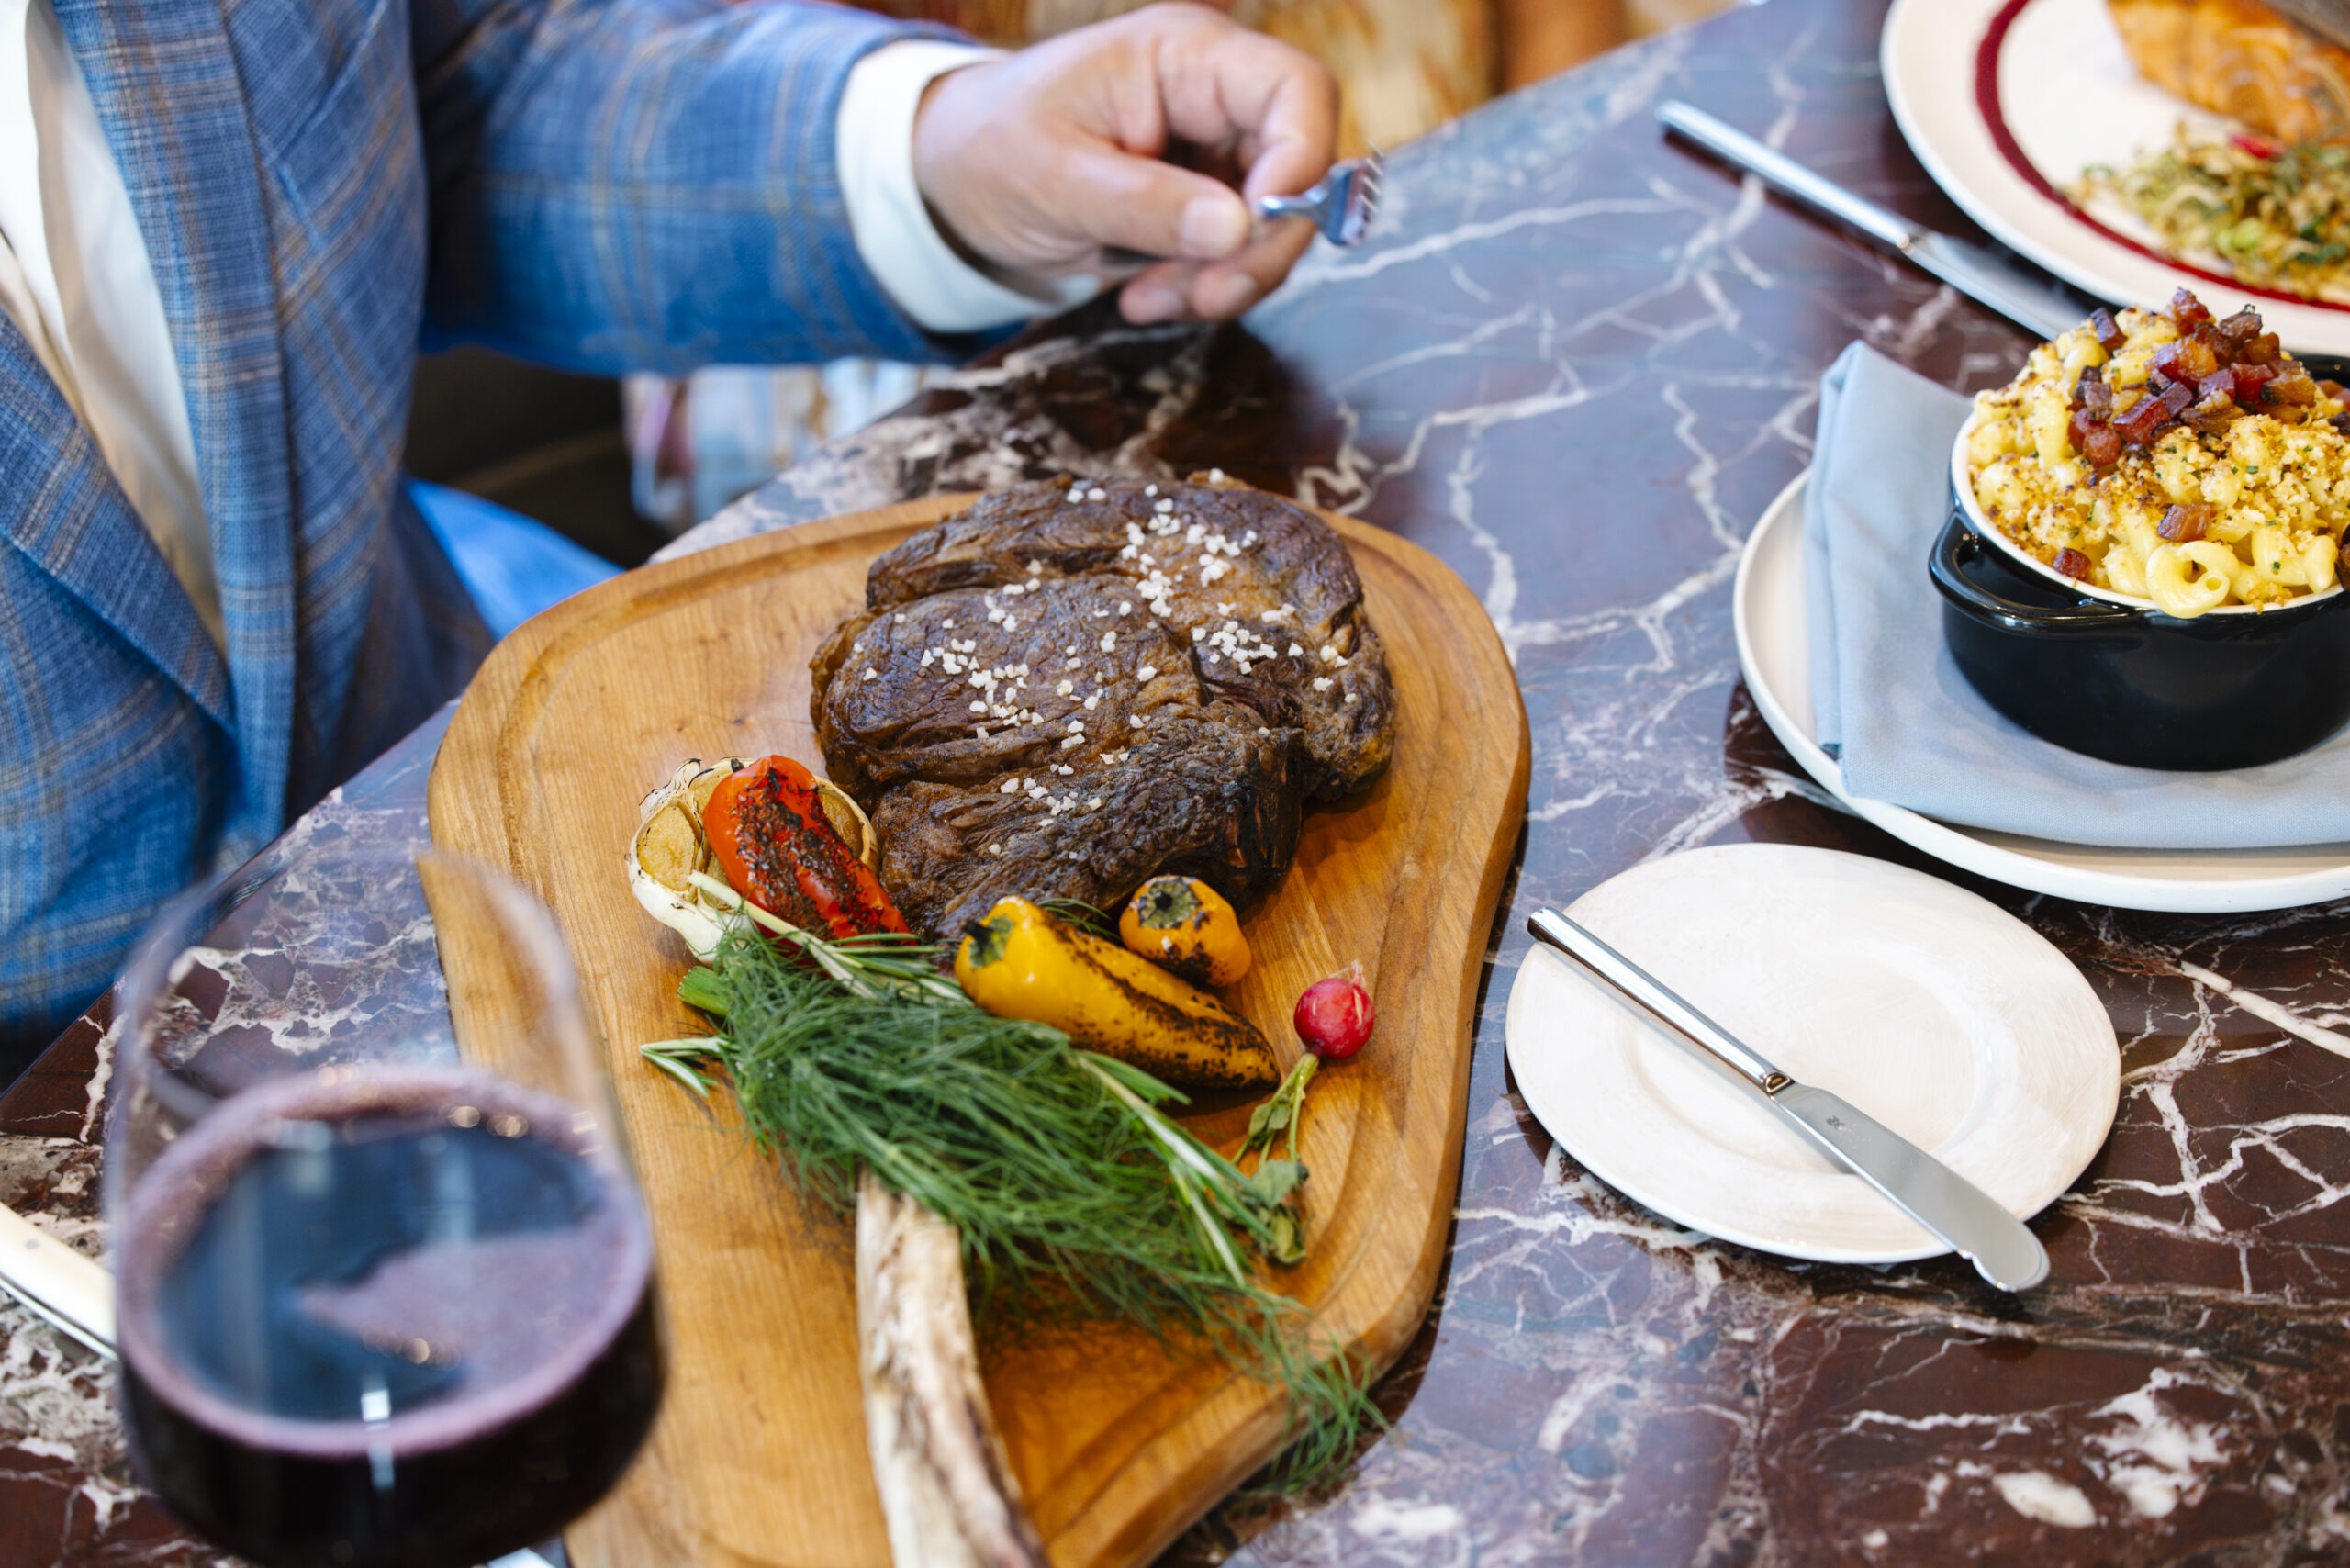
(1020, 962)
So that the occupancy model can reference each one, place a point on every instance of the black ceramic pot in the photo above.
(2134, 685)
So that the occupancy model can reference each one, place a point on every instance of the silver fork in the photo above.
(1341, 203)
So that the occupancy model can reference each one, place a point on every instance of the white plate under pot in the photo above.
(2006, 101)
(1770, 613)
(1935, 1010)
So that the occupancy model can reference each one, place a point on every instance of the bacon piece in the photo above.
(2145, 418)
(2094, 393)
(2264, 349)
(2249, 379)
(2184, 524)
(2215, 412)
(2071, 563)
(2102, 445)
(2239, 328)
(2188, 311)
(2109, 330)
(2341, 422)
(2293, 385)
(2187, 358)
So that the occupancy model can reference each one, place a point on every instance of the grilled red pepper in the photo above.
(768, 833)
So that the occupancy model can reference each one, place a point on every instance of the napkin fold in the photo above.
(1904, 724)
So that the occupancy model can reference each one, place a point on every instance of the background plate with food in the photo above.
(2008, 103)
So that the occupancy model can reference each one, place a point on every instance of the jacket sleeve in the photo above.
(647, 185)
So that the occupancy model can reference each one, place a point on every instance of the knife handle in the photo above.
(57, 1282)
(1775, 168)
(1577, 942)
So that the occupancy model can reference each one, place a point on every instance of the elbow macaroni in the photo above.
(2279, 492)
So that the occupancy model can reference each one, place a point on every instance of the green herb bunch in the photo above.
(1071, 1189)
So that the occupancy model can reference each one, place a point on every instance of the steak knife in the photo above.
(1957, 1212)
(1976, 270)
(75, 1295)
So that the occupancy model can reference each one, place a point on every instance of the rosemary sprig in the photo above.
(1092, 919)
(1069, 1187)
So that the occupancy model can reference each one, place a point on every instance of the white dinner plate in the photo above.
(2005, 102)
(1770, 611)
(1937, 1013)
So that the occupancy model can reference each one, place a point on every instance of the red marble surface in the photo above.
(1568, 332)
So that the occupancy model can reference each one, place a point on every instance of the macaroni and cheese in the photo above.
(2168, 457)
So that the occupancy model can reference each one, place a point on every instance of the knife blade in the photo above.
(1959, 1214)
(1981, 274)
(2329, 19)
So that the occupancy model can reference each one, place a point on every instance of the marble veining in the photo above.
(1577, 363)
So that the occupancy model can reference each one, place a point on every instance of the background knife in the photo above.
(1981, 274)
(1955, 1210)
(58, 1283)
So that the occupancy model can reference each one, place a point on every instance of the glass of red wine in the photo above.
(385, 1280)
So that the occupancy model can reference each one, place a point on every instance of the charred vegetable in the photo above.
(670, 847)
(1181, 923)
(775, 843)
(1021, 963)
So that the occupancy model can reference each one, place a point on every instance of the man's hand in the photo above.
(1041, 161)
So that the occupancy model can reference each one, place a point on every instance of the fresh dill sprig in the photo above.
(1070, 1189)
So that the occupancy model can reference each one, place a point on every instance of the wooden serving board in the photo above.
(759, 1457)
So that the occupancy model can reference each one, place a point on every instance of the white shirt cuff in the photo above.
(894, 233)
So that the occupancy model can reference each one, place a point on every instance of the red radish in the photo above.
(1333, 1017)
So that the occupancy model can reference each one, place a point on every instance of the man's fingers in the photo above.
(1279, 105)
(1120, 201)
(1223, 289)
(1161, 292)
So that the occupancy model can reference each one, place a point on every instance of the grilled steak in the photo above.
(1068, 689)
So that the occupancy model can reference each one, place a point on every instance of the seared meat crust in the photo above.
(1194, 657)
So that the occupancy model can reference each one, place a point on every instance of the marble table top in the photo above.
(1576, 362)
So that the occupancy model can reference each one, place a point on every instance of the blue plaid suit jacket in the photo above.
(605, 185)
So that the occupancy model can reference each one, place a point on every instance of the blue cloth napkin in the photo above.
(513, 566)
(1903, 723)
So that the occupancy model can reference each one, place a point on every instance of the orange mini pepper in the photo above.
(1186, 926)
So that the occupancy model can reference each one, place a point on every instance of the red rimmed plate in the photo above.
(2005, 102)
